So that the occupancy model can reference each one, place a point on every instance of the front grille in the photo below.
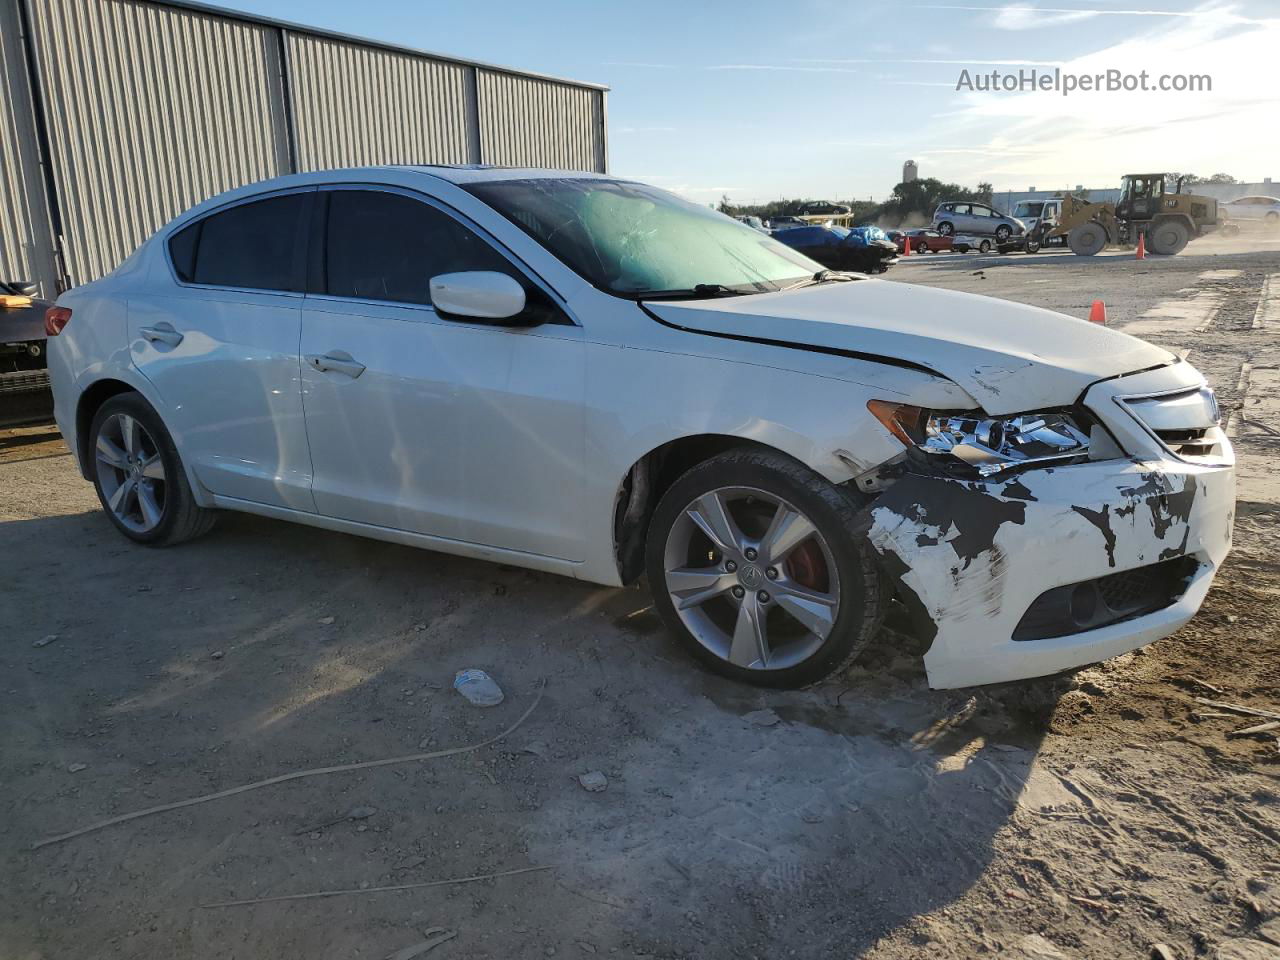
(1117, 597)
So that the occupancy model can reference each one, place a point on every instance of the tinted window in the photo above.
(182, 248)
(386, 246)
(255, 245)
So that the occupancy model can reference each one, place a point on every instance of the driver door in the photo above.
(465, 431)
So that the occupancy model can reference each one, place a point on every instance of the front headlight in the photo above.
(988, 444)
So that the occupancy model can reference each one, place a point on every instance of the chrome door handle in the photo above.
(337, 364)
(161, 333)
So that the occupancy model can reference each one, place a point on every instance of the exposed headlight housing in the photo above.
(989, 445)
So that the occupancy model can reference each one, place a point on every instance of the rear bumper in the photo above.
(970, 558)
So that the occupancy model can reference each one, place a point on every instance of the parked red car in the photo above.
(923, 241)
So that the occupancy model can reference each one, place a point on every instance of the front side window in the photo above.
(633, 240)
(387, 246)
(254, 246)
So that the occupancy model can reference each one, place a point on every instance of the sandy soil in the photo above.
(1089, 816)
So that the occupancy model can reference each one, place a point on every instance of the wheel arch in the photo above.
(651, 476)
(90, 402)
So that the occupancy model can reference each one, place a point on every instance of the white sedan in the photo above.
(1266, 209)
(590, 376)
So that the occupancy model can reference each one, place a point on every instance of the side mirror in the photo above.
(478, 294)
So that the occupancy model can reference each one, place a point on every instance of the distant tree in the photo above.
(985, 192)
(726, 206)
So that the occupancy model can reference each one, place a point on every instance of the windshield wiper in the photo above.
(822, 276)
(696, 292)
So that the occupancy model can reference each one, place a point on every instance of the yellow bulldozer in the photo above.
(1170, 220)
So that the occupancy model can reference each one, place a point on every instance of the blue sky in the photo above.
(822, 98)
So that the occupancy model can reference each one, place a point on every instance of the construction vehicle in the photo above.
(1170, 220)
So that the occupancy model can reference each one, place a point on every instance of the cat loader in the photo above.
(1170, 220)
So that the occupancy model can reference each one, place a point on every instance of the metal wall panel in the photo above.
(355, 105)
(26, 240)
(150, 109)
(526, 121)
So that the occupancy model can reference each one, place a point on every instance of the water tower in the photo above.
(909, 171)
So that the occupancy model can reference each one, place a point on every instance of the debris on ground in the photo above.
(217, 655)
(435, 936)
(355, 813)
(45, 641)
(1245, 949)
(76, 767)
(1035, 947)
(325, 621)
(1237, 708)
(762, 718)
(1162, 951)
(594, 781)
(478, 687)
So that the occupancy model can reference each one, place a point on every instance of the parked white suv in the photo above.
(589, 376)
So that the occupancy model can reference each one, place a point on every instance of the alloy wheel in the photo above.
(130, 473)
(751, 578)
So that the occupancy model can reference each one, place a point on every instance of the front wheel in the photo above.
(1003, 233)
(758, 568)
(984, 246)
(139, 476)
(946, 229)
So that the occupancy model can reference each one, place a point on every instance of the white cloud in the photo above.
(1095, 137)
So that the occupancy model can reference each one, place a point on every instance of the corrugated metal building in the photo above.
(116, 115)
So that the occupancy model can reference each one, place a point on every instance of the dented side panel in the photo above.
(970, 557)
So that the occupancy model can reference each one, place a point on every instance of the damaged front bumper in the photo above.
(1060, 567)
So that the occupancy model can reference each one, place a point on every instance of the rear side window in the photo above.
(256, 246)
(386, 246)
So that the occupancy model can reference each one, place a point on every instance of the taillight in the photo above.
(55, 318)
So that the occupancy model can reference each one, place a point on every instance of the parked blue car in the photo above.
(860, 249)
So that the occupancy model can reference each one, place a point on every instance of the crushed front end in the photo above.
(1103, 536)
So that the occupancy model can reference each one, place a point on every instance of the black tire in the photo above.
(863, 592)
(1168, 237)
(946, 228)
(984, 246)
(181, 518)
(1003, 233)
(1032, 245)
(1087, 239)
(922, 247)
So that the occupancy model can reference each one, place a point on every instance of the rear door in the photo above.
(460, 430)
(218, 338)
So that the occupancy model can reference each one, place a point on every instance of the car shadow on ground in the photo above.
(832, 818)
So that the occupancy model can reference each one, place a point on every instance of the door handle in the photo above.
(161, 333)
(336, 363)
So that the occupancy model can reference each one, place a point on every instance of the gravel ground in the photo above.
(1092, 816)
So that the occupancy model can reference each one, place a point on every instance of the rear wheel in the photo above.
(139, 476)
(757, 567)
(1272, 219)
(1168, 237)
(984, 246)
(1087, 239)
(922, 247)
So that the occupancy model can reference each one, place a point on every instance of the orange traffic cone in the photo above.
(1098, 313)
(1142, 246)
(906, 246)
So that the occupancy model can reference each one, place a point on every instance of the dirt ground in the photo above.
(1090, 816)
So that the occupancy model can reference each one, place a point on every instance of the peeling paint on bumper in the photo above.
(971, 557)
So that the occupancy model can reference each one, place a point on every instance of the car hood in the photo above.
(1009, 357)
